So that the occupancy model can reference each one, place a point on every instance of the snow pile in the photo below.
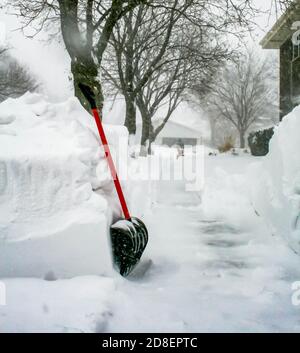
(225, 195)
(54, 187)
(276, 181)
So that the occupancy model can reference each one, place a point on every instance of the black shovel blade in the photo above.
(129, 239)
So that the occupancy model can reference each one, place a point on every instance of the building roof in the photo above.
(175, 129)
(282, 29)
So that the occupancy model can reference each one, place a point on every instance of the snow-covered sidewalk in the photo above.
(216, 267)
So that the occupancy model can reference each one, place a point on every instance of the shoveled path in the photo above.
(208, 274)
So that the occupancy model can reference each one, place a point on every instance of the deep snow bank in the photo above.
(275, 182)
(51, 163)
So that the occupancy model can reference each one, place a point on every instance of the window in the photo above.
(296, 49)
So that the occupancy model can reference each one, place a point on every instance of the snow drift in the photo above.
(275, 183)
(54, 190)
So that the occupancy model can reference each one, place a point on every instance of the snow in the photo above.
(276, 181)
(220, 259)
(69, 306)
(6, 119)
(217, 264)
(217, 267)
(54, 193)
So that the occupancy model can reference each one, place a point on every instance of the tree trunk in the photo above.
(86, 72)
(146, 125)
(83, 67)
(242, 139)
(152, 137)
(213, 138)
(145, 139)
(130, 119)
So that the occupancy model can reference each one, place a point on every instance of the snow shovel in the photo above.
(129, 236)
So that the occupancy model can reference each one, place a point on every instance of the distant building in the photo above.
(285, 36)
(175, 134)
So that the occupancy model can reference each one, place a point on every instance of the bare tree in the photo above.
(283, 5)
(164, 88)
(242, 95)
(140, 44)
(86, 26)
(194, 59)
(146, 48)
(15, 80)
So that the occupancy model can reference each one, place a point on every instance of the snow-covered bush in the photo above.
(275, 182)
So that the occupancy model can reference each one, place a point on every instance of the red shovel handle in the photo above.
(111, 164)
(90, 97)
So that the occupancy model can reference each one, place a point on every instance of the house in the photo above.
(175, 133)
(285, 37)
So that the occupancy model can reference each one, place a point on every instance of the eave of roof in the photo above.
(281, 31)
(180, 125)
